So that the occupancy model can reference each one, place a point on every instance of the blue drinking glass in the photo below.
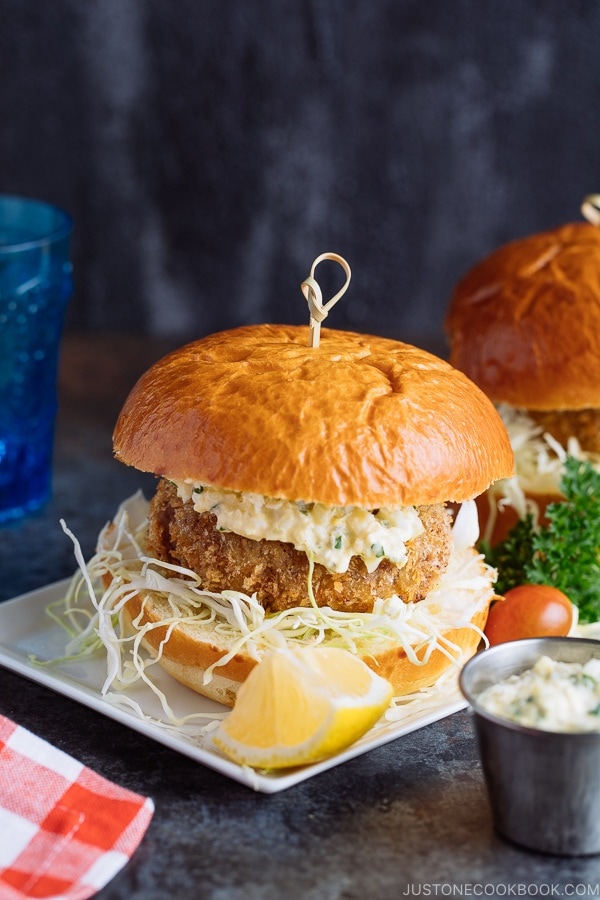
(35, 286)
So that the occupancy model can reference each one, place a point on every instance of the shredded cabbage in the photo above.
(539, 462)
(93, 614)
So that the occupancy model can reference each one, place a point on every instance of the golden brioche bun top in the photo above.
(524, 323)
(358, 420)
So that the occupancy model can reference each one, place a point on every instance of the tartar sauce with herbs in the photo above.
(331, 534)
(552, 696)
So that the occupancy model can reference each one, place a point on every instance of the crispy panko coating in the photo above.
(278, 573)
(584, 424)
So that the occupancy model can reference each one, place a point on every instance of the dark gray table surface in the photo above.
(407, 819)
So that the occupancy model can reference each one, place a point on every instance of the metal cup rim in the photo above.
(525, 644)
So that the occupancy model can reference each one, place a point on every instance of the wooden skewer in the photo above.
(312, 294)
(591, 209)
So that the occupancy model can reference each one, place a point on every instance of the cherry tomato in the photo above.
(530, 610)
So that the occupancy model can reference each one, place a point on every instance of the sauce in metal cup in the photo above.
(543, 786)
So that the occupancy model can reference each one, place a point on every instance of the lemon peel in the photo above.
(299, 706)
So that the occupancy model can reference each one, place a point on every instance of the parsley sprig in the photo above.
(564, 552)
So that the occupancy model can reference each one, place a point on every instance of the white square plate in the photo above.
(27, 631)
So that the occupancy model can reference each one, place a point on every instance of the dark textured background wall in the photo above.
(210, 149)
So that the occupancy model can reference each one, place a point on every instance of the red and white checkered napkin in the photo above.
(64, 830)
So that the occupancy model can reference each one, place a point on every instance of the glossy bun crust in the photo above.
(359, 420)
(524, 324)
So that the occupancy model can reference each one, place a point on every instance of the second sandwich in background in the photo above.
(524, 325)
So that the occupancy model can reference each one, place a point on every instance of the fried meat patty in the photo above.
(278, 573)
(584, 424)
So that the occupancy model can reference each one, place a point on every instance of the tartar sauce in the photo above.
(331, 534)
(552, 696)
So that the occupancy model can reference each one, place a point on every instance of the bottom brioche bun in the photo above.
(191, 649)
(406, 677)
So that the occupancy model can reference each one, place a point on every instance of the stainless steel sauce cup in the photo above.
(543, 786)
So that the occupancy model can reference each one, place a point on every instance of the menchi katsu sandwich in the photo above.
(302, 497)
(524, 325)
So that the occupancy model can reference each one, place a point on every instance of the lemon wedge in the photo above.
(300, 706)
